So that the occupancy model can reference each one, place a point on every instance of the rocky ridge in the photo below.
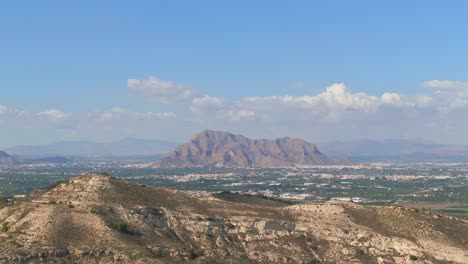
(219, 148)
(99, 218)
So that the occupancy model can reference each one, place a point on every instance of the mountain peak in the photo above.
(224, 149)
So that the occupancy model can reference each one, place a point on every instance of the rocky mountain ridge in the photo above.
(219, 148)
(102, 219)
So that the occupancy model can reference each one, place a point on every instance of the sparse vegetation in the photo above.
(360, 252)
(15, 243)
(4, 227)
(197, 252)
(3, 203)
(120, 226)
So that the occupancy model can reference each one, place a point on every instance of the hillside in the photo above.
(219, 148)
(8, 160)
(102, 219)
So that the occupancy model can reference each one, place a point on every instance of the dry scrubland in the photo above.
(102, 219)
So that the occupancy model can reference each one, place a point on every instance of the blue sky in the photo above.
(66, 64)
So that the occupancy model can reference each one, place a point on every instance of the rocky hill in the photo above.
(8, 160)
(102, 219)
(219, 148)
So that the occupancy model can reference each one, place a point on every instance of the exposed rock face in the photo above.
(218, 148)
(101, 219)
(7, 160)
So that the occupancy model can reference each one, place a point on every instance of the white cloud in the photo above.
(335, 98)
(215, 108)
(123, 114)
(206, 104)
(328, 105)
(391, 98)
(241, 115)
(445, 84)
(54, 115)
(161, 91)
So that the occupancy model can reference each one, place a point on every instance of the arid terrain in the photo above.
(103, 219)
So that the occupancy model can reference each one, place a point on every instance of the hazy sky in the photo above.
(320, 70)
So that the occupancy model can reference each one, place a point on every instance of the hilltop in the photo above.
(100, 218)
(220, 148)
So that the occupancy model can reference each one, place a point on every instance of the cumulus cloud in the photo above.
(331, 104)
(445, 84)
(161, 91)
(335, 98)
(54, 115)
(206, 104)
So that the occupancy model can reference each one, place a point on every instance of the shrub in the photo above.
(92, 210)
(4, 227)
(71, 206)
(120, 226)
(52, 202)
(360, 252)
(413, 257)
(197, 252)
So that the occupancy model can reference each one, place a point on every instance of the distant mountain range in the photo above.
(219, 148)
(396, 150)
(125, 147)
(245, 152)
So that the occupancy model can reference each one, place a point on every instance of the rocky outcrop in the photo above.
(219, 148)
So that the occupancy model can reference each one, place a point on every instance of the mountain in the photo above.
(102, 219)
(125, 147)
(396, 149)
(7, 160)
(219, 148)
